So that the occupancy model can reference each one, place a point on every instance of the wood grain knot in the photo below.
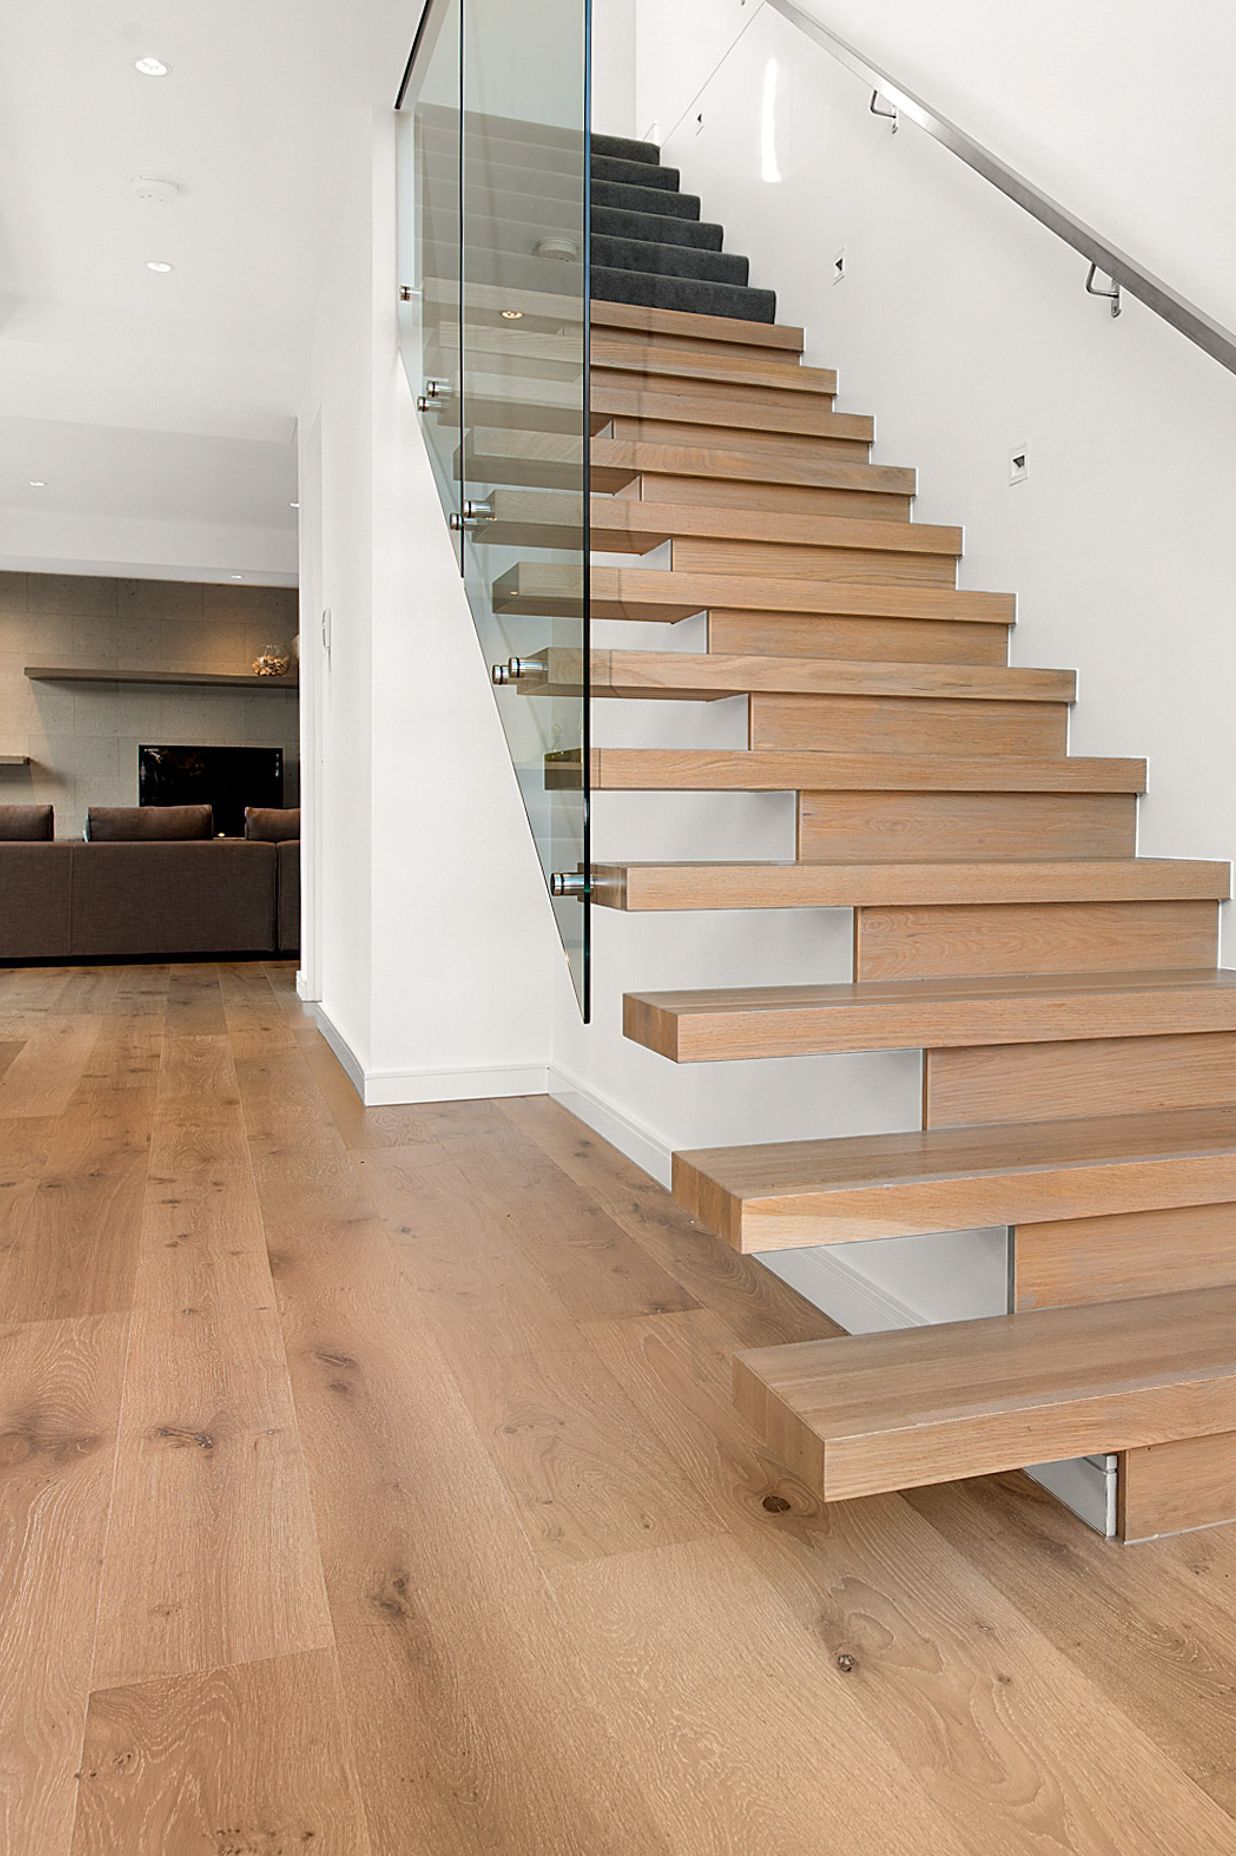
(278, 1842)
(182, 1439)
(775, 1504)
(18, 1446)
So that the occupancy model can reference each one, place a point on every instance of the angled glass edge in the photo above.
(429, 204)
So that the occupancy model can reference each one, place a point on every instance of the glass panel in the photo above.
(495, 177)
(525, 341)
(430, 203)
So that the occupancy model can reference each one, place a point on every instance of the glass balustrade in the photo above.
(494, 204)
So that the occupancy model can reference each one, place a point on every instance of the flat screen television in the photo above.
(226, 779)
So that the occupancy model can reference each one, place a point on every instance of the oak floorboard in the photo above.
(1153, 1626)
(246, 1761)
(42, 1078)
(72, 1251)
(195, 1002)
(211, 1502)
(1005, 1733)
(472, 1727)
(60, 1387)
(594, 1267)
(739, 1735)
(481, 1289)
(762, 1310)
(211, 1492)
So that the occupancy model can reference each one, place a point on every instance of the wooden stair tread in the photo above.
(551, 460)
(876, 885)
(654, 360)
(645, 593)
(737, 1023)
(535, 518)
(811, 770)
(682, 323)
(714, 407)
(618, 460)
(869, 1412)
(713, 675)
(945, 1179)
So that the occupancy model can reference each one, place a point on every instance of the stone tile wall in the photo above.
(82, 738)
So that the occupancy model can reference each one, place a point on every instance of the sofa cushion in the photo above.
(25, 822)
(139, 824)
(211, 897)
(288, 854)
(34, 900)
(274, 824)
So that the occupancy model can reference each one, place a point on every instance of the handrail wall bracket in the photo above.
(1112, 295)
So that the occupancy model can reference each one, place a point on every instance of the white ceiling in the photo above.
(169, 399)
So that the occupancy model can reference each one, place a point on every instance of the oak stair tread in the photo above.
(793, 1193)
(739, 1023)
(811, 770)
(644, 593)
(864, 1413)
(736, 370)
(715, 407)
(551, 460)
(713, 675)
(806, 885)
(648, 320)
(547, 519)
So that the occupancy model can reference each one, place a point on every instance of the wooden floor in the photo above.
(369, 1482)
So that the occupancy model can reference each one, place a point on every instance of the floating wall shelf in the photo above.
(14, 760)
(72, 673)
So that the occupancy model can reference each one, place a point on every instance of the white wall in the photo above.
(613, 67)
(434, 944)
(1117, 109)
(965, 328)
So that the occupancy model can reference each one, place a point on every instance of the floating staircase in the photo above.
(1079, 1039)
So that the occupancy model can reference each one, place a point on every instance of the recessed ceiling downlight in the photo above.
(151, 67)
(512, 315)
(160, 265)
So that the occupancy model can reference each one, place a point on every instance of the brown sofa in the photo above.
(113, 896)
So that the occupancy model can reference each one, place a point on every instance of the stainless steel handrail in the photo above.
(1125, 272)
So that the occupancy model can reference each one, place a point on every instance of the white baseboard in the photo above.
(631, 1138)
(304, 988)
(842, 1292)
(342, 1049)
(385, 1088)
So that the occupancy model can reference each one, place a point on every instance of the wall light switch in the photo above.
(1018, 464)
(839, 263)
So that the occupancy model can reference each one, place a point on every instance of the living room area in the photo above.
(149, 767)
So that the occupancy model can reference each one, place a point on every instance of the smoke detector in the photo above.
(155, 192)
(558, 245)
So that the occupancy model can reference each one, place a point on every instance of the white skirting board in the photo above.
(384, 1088)
(1086, 1485)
